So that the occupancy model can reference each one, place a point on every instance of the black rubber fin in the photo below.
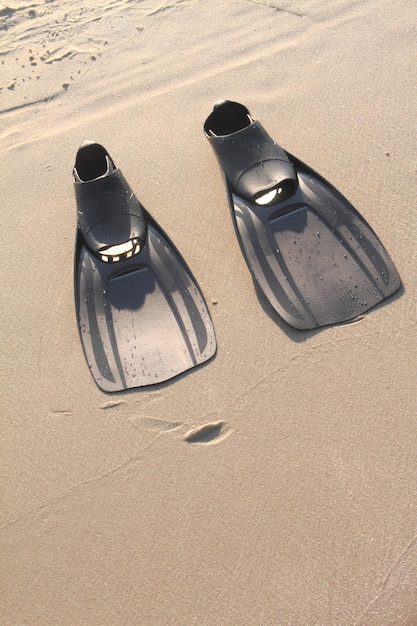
(310, 252)
(141, 315)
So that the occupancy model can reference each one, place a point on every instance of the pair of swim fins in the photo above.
(141, 314)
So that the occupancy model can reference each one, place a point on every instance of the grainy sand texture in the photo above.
(276, 484)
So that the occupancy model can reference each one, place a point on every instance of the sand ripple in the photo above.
(72, 35)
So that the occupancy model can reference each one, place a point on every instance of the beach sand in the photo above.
(300, 508)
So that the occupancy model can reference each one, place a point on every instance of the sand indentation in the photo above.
(154, 424)
(212, 432)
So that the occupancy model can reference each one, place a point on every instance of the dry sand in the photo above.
(301, 509)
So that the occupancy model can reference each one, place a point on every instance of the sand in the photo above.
(300, 508)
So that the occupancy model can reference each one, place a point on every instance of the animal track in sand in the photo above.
(212, 432)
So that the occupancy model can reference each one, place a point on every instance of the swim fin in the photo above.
(141, 315)
(310, 252)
